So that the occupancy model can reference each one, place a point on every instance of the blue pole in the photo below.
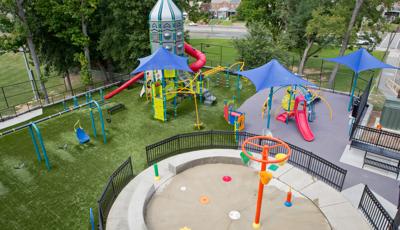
(238, 84)
(271, 93)
(103, 131)
(35, 143)
(39, 135)
(92, 219)
(352, 92)
(76, 104)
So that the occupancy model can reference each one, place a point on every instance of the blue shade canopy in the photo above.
(162, 59)
(272, 74)
(359, 61)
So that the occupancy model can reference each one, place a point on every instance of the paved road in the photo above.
(392, 59)
(208, 31)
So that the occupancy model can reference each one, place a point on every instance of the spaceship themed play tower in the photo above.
(164, 88)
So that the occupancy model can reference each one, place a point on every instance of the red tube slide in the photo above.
(136, 78)
(198, 55)
(195, 66)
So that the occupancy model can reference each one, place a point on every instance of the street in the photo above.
(216, 31)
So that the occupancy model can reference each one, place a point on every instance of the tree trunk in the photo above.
(31, 46)
(346, 39)
(310, 43)
(67, 79)
(103, 70)
(110, 69)
(85, 33)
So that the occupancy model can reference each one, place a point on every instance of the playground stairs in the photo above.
(209, 98)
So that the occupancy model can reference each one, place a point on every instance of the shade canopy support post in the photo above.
(352, 92)
(271, 93)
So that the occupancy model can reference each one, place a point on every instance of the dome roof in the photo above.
(165, 10)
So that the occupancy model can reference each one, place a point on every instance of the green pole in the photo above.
(76, 104)
(290, 101)
(156, 174)
(35, 143)
(352, 92)
(271, 93)
(102, 95)
(103, 131)
(93, 122)
(39, 135)
(65, 105)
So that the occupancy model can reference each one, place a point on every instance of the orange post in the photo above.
(256, 224)
(264, 162)
(288, 202)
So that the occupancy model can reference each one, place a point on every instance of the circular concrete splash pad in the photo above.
(171, 209)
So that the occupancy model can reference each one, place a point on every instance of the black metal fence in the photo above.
(303, 159)
(117, 181)
(374, 212)
(377, 138)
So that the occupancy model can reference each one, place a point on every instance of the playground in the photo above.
(269, 148)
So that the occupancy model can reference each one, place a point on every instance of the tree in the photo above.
(19, 29)
(346, 38)
(272, 13)
(323, 28)
(258, 47)
(366, 13)
(62, 35)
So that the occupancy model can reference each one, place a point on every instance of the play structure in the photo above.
(233, 117)
(300, 104)
(81, 135)
(165, 82)
(265, 176)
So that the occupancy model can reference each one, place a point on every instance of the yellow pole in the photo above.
(197, 114)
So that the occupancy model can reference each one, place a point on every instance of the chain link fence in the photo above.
(316, 69)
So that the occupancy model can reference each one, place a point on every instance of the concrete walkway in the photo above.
(311, 197)
(331, 138)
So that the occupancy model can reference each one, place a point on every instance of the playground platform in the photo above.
(186, 177)
(331, 139)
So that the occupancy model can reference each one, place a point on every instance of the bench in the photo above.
(379, 157)
(115, 108)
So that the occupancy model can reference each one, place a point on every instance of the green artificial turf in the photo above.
(32, 198)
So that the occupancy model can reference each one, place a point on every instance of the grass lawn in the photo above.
(32, 198)
(15, 82)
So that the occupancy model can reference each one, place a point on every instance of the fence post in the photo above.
(212, 138)
(179, 142)
(5, 98)
(309, 163)
(320, 73)
(112, 186)
(379, 137)
(220, 55)
(362, 197)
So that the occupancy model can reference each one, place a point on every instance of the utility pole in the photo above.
(30, 75)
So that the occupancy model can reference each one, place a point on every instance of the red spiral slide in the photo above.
(195, 66)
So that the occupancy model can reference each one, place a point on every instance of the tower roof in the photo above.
(165, 10)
